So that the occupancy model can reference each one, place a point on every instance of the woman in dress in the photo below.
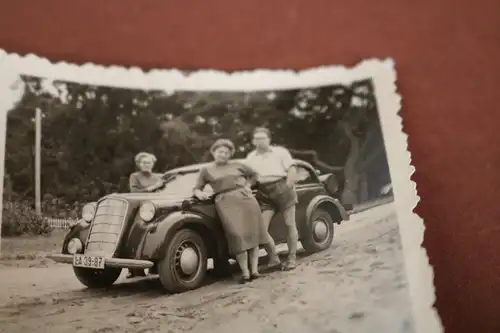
(238, 210)
(142, 181)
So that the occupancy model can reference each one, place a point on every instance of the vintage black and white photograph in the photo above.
(176, 209)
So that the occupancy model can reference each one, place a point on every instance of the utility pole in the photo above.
(3, 136)
(38, 148)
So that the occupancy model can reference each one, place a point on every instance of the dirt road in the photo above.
(358, 285)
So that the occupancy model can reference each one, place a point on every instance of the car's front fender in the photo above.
(159, 234)
(79, 230)
(331, 205)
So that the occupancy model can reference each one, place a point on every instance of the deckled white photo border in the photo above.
(382, 72)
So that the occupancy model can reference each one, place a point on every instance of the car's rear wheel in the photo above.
(184, 265)
(97, 278)
(319, 233)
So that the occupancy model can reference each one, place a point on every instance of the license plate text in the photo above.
(88, 261)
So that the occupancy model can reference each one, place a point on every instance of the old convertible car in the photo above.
(174, 234)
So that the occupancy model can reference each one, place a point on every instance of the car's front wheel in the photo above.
(97, 278)
(184, 265)
(319, 233)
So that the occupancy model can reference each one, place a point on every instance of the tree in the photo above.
(92, 133)
(348, 110)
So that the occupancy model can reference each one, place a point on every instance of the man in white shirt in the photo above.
(276, 190)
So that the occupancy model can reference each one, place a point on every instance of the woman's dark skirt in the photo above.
(241, 219)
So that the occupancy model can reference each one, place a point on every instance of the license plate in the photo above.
(88, 261)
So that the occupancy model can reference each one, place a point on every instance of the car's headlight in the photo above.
(74, 246)
(147, 211)
(88, 212)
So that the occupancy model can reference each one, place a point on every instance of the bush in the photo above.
(19, 218)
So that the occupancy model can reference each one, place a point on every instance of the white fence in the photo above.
(60, 223)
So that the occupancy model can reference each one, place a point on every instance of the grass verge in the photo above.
(31, 247)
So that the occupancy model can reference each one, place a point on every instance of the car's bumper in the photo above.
(110, 262)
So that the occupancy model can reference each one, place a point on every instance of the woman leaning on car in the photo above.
(144, 180)
(238, 210)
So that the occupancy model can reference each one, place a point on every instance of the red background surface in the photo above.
(447, 55)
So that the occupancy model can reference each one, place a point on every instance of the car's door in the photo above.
(307, 186)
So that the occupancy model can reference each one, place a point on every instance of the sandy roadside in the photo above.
(357, 285)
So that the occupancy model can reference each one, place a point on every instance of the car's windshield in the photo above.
(182, 184)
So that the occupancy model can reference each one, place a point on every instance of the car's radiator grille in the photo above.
(106, 227)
